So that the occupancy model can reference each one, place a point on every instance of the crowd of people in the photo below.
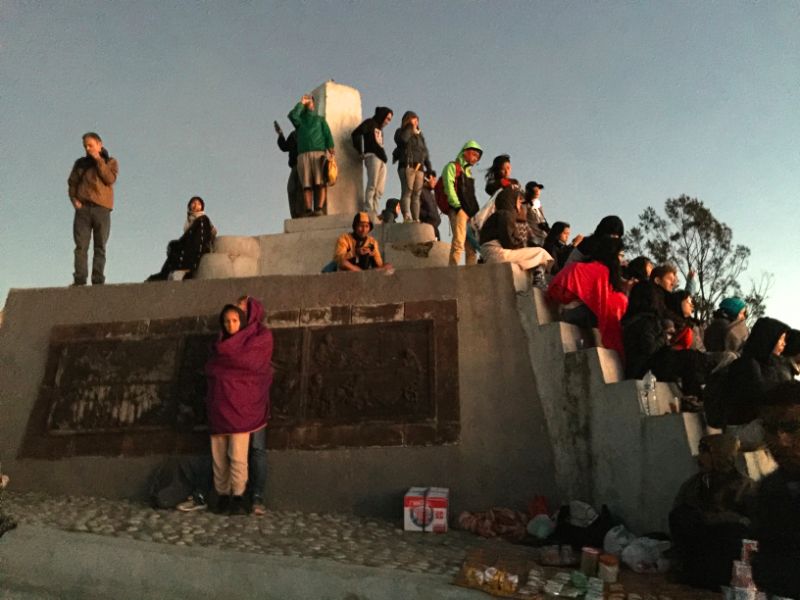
(741, 378)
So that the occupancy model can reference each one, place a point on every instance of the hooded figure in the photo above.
(239, 374)
(499, 242)
(709, 516)
(596, 286)
(458, 187)
(755, 372)
(368, 141)
(610, 226)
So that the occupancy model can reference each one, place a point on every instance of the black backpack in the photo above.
(713, 397)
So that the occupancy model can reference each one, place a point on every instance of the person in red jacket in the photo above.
(239, 376)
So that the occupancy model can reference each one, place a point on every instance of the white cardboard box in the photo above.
(425, 509)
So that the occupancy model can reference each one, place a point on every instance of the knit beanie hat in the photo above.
(732, 306)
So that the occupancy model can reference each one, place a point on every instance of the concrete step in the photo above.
(74, 565)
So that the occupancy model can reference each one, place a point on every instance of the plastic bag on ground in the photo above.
(646, 555)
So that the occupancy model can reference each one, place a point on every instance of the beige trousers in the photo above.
(458, 225)
(229, 456)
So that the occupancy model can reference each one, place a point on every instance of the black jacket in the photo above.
(776, 565)
(754, 373)
(368, 137)
(643, 336)
(502, 224)
(289, 144)
(411, 148)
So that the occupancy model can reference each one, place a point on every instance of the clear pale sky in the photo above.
(612, 105)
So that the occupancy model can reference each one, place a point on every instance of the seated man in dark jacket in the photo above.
(776, 520)
(751, 376)
(708, 519)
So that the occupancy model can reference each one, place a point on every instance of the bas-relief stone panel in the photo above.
(376, 375)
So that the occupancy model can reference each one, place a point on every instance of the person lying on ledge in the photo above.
(357, 250)
(183, 254)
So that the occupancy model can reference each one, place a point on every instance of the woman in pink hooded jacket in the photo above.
(239, 376)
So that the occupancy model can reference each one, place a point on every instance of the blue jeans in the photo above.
(257, 464)
(91, 221)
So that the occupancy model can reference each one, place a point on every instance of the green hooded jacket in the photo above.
(313, 133)
(449, 175)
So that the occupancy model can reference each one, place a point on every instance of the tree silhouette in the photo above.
(693, 240)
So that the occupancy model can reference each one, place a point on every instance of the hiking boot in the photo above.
(223, 504)
(258, 509)
(319, 213)
(238, 506)
(308, 213)
(193, 503)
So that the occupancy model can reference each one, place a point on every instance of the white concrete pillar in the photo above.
(341, 107)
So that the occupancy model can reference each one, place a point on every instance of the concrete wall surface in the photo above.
(504, 456)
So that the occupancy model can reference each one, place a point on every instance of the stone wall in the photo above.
(502, 453)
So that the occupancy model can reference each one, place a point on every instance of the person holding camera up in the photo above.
(314, 141)
(358, 251)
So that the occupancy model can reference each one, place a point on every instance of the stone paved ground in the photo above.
(341, 538)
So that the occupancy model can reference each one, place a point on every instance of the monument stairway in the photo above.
(609, 449)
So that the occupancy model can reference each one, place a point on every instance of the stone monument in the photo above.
(341, 106)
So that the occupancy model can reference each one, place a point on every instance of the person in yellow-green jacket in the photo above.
(459, 187)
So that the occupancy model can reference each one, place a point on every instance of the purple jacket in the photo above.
(239, 375)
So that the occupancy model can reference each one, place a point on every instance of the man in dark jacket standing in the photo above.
(776, 565)
(368, 142)
(314, 140)
(91, 192)
(294, 190)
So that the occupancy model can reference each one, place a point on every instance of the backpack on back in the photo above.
(713, 396)
(439, 193)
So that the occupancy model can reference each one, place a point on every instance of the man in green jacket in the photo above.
(470, 154)
(314, 140)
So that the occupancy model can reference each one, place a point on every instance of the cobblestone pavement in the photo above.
(337, 537)
(342, 538)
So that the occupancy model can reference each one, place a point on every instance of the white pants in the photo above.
(521, 259)
(376, 181)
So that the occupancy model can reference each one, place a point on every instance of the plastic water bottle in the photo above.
(649, 393)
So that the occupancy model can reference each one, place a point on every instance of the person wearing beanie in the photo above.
(91, 191)
(358, 250)
(367, 139)
(728, 330)
(411, 153)
(461, 200)
(184, 254)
